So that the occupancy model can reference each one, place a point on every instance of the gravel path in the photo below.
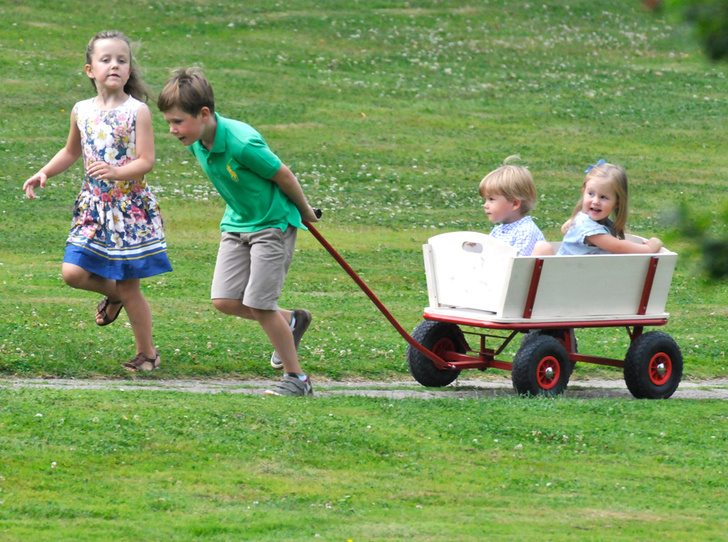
(586, 389)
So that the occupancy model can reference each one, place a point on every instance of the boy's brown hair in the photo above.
(189, 90)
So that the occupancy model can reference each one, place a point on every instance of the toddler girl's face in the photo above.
(599, 199)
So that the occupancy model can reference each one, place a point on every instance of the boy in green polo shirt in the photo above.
(265, 208)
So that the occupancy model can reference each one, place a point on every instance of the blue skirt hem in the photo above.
(118, 269)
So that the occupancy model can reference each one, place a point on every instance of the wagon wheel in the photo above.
(439, 338)
(560, 334)
(653, 366)
(541, 367)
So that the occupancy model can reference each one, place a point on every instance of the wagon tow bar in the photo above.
(388, 315)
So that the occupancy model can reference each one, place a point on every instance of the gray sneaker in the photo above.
(303, 320)
(292, 386)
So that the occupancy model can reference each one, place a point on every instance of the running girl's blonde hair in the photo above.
(134, 87)
(511, 182)
(617, 177)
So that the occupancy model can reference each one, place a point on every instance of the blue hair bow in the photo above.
(599, 163)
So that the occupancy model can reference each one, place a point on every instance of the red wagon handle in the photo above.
(388, 315)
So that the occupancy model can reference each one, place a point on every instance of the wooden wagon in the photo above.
(475, 281)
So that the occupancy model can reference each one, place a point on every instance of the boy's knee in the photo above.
(232, 307)
(259, 313)
(263, 316)
(223, 305)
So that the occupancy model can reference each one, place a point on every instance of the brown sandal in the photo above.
(101, 311)
(142, 363)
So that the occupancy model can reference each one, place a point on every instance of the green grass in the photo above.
(140, 465)
(390, 114)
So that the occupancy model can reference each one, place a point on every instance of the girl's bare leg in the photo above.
(126, 291)
(77, 277)
(139, 313)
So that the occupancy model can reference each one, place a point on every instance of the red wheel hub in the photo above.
(548, 372)
(660, 369)
(443, 346)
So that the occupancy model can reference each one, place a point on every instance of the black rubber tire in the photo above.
(557, 333)
(653, 366)
(438, 338)
(541, 367)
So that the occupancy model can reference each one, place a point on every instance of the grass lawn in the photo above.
(140, 465)
(389, 113)
(390, 116)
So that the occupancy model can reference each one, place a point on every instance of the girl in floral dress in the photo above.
(116, 236)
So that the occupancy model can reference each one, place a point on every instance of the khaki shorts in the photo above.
(252, 266)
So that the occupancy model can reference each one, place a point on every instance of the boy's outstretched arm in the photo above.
(289, 185)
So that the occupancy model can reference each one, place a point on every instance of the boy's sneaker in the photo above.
(292, 386)
(303, 320)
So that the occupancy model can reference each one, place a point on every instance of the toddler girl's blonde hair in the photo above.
(617, 177)
(512, 182)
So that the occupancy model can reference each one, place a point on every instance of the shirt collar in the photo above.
(514, 224)
(220, 136)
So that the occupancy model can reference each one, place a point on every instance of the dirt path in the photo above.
(587, 389)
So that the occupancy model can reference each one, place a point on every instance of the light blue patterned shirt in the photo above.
(582, 227)
(522, 234)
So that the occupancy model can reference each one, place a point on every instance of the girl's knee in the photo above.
(73, 276)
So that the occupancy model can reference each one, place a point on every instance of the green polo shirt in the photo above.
(240, 166)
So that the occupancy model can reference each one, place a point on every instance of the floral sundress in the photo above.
(117, 229)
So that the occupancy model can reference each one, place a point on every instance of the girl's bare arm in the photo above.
(63, 160)
(623, 246)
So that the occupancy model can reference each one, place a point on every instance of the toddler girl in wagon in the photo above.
(590, 230)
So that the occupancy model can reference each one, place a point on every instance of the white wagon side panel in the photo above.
(497, 281)
(468, 269)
